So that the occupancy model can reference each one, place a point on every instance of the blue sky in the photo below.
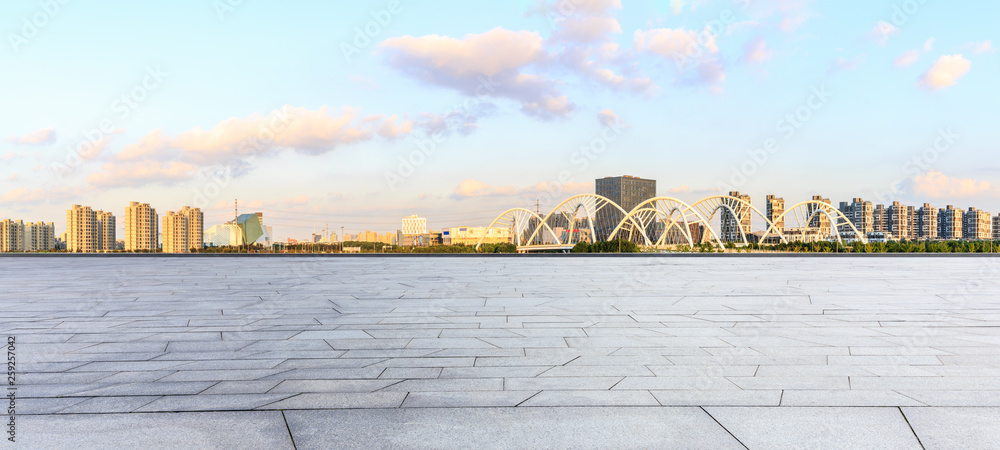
(257, 101)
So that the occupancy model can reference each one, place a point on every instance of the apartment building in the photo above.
(107, 230)
(175, 232)
(819, 219)
(977, 225)
(11, 235)
(899, 221)
(927, 222)
(950, 223)
(734, 227)
(775, 209)
(195, 227)
(862, 215)
(81, 229)
(39, 236)
(141, 227)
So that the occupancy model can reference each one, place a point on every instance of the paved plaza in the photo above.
(529, 351)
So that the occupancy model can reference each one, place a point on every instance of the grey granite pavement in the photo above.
(504, 352)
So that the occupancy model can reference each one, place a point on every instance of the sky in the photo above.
(355, 114)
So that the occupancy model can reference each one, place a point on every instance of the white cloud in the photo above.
(138, 173)
(607, 117)
(476, 189)
(981, 47)
(490, 64)
(946, 71)
(935, 184)
(928, 45)
(28, 196)
(45, 136)
(674, 43)
(907, 59)
(756, 51)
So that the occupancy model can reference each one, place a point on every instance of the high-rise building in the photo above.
(107, 240)
(879, 222)
(927, 222)
(81, 230)
(175, 232)
(950, 223)
(39, 236)
(11, 235)
(977, 225)
(775, 208)
(413, 225)
(862, 216)
(911, 214)
(195, 227)
(898, 221)
(735, 227)
(141, 227)
(996, 227)
(627, 191)
(817, 218)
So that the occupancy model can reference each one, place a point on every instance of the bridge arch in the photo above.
(597, 216)
(521, 222)
(814, 208)
(739, 208)
(672, 212)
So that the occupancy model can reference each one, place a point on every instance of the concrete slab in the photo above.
(510, 428)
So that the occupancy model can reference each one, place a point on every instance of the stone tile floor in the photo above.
(565, 352)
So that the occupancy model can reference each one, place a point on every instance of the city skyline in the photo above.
(731, 215)
(520, 101)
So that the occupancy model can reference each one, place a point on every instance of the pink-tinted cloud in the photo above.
(910, 57)
(13, 177)
(587, 29)
(981, 47)
(288, 128)
(490, 64)
(907, 59)
(607, 117)
(393, 127)
(28, 196)
(935, 184)
(845, 65)
(138, 173)
(694, 53)
(476, 189)
(756, 51)
(945, 72)
(674, 43)
(45, 136)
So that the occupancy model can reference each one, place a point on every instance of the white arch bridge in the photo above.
(666, 222)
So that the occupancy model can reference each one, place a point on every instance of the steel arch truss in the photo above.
(522, 223)
(805, 215)
(583, 218)
(737, 207)
(650, 223)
